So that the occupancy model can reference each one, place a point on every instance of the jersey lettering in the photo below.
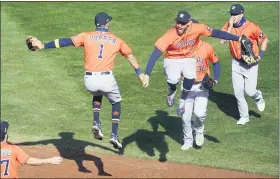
(6, 163)
(101, 51)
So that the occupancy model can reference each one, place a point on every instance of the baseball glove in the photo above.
(208, 82)
(247, 51)
(33, 43)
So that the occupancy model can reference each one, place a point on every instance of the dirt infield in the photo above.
(115, 166)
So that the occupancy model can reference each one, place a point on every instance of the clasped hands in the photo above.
(144, 78)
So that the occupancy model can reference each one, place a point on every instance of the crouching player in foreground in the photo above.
(12, 155)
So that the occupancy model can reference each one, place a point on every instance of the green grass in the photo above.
(43, 94)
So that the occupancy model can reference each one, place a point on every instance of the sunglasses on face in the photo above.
(182, 23)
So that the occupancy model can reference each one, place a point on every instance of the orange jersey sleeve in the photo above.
(259, 35)
(225, 27)
(100, 49)
(166, 40)
(203, 29)
(11, 157)
(21, 155)
(78, 39)
(124, 49)
(212, 55)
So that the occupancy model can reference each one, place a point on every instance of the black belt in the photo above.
(102, 73)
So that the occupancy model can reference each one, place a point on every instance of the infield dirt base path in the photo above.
(118, 167)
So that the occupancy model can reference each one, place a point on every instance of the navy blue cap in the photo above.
(4, 128)
(183, 16)
(102, 18)
(236, 9)
(194, 21)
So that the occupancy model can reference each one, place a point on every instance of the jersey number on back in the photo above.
(6, 163)
(101, 51)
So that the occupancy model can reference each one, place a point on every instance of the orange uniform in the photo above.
(11, 156)
(203, 53)
(100, 49)
(178, 47)
(252, 31)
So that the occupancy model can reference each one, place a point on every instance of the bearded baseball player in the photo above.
(179, 44)
(244, 74)
(196, 100)
(100, 48)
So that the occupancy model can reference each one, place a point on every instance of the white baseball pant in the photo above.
(196, 102)
(103, 83)
(174, 68)
(244, 78)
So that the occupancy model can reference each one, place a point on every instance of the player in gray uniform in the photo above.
(245, 77)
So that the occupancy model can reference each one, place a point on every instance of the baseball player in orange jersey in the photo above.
(179, 44)
(197, 98)
(100, 49)
(12, 156)
(245, 77)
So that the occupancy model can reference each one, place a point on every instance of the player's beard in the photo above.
(181, 31)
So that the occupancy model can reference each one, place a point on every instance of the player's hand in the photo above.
(141, 77)
(146, 81)
(56, 160)
(223, 41)
(231, 21)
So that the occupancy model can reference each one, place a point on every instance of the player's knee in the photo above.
(186, 118)
(250, 92)
(200, 114)
(239, 94)
(188, 83)
(173, 81)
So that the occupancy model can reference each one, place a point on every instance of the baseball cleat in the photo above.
(97, 134)
(199, 139)
(242, 121)
(260, 102)
(181, 107)
(115, 141)
(171, 99)
(186, 146)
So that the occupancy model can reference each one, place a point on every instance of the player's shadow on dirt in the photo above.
(148, 142)
(227, 104)
(173, 127)
(74, 149)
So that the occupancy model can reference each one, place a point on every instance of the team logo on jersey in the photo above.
(261, 35)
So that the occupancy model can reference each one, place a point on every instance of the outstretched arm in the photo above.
(43, 142)
(37, 161)
(57, 43)
(133, 62)
(224, 35)
(150, 65)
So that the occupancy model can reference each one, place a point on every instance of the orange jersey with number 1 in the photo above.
(100, 49)
(204, 52)
(176, 46)
(11, 156)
